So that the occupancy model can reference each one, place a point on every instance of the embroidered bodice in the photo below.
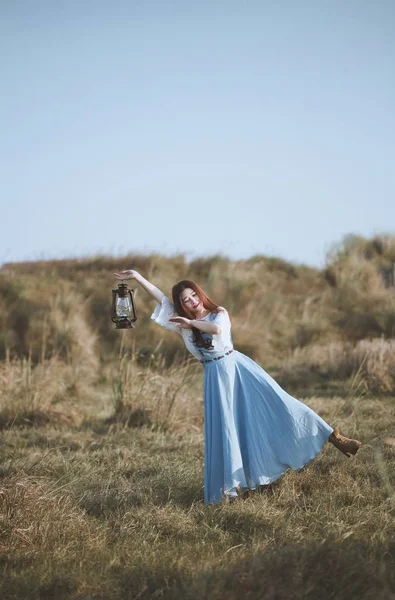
(217, 345)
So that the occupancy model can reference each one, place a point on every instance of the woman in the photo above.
(254, 431)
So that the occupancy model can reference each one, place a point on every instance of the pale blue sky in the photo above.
(200, 127)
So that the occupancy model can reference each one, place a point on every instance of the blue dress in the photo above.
(253, 430)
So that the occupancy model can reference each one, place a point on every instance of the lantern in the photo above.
(123, 312)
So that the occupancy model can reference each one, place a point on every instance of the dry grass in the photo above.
(101, 455)
(101, 506)
(35, 394)
(369, 364)
(156, 395)
(287, 307)
(97, 512)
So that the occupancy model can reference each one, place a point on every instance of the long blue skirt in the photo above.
(254, 431)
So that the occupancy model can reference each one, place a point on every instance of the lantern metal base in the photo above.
(124, 325)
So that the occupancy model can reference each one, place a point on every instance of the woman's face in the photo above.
(191, 301)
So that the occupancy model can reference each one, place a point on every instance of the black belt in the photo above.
(218, 357)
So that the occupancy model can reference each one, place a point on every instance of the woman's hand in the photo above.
(130, 274)
(182, 322)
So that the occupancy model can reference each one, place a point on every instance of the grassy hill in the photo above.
(101, 471)
(326, 325)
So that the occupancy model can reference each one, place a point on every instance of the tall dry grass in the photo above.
(154, 394)
(275, 307)
(32, 394)
(101, 454)
(127, 393)
(370, 362)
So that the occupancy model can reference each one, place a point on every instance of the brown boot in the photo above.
(345, 445)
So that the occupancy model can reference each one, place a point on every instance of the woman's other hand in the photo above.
(182, 322)
(129, 274)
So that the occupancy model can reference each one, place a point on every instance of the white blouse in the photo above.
(219, 343)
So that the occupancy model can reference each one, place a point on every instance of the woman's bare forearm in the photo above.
(151, 289)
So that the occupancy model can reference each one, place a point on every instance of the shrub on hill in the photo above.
(63, 307)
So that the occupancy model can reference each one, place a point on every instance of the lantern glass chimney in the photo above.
(123, 312)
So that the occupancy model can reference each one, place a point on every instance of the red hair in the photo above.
(183, 312)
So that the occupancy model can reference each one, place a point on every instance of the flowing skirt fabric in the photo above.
(254, 431)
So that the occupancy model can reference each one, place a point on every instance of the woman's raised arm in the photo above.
(153, 291)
